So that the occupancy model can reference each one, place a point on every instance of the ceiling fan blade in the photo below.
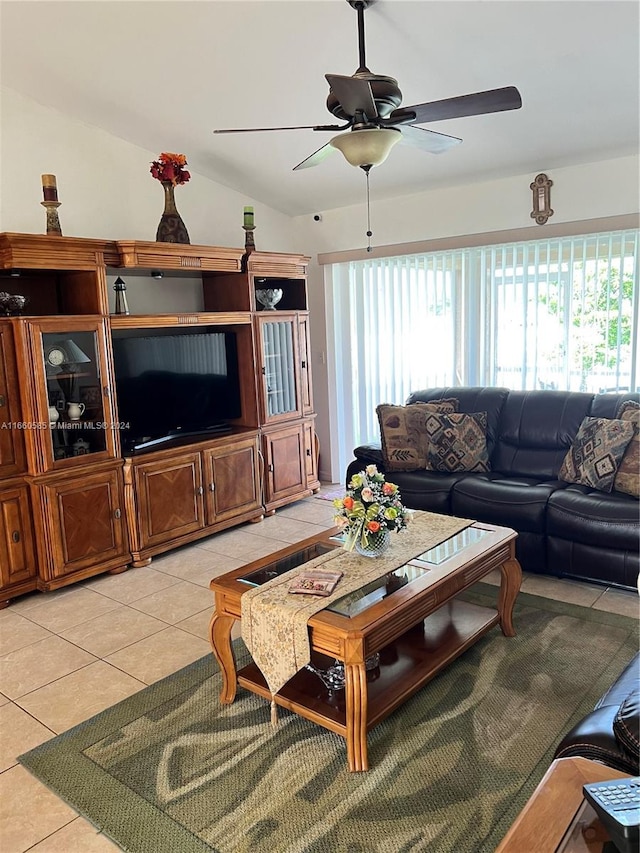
(428, 140)
(479, 103)
(354, 94)
(316, 158)
(296, 127)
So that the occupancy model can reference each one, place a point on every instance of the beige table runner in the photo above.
(274, 622)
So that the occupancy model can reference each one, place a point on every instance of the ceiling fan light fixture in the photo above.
(367, 147)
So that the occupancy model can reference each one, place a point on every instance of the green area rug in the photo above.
(170, 770)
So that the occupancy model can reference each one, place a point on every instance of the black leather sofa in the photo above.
(611, 732)
(564, 530)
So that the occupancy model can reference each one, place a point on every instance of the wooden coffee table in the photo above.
(412, 617)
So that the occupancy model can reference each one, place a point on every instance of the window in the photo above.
(559, 314)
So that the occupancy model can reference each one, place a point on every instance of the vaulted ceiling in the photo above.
(164, 74)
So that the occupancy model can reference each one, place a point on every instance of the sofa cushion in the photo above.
(596, 453)
(426, 490)
(536, 429)
(517, 502)
(471, 399)
(628, 475)
(404, 435)
(581, 514)
(457, 442)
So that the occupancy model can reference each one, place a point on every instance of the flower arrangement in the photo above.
(170, 167)
(371, 506)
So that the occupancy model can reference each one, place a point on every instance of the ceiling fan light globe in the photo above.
(367, 147)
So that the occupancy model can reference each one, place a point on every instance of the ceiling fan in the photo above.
(369, 104)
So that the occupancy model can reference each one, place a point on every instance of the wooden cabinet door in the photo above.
(17, 554)
(12, 454)
(279, 367)
(232, 480)
(306, 388)
(86, 521)
(170, 498)
(73, 392)
(310, 454)
(286, 472)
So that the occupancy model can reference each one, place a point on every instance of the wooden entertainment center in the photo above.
(72, 502)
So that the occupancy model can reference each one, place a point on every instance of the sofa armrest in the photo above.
(369, 454)
(626, 725)
(593, 737)
(366, 454)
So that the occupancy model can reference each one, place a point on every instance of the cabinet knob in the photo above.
(212, 487)
(304, 365)
(117, 513)
(308, 452)
(15, 536)
(200, 490)
(106, 391)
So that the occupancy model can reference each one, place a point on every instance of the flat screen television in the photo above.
(174, 383)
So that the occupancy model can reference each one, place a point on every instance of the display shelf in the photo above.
(150, 321)
(178, 256)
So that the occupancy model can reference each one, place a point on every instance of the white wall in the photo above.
(105, 186)
(107, 192)
(588, 191)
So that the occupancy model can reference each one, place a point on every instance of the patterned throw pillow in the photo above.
(628, 476)
(458, 442)
(596, 452)
(404, 434)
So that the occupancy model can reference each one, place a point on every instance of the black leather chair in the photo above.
(611, 732)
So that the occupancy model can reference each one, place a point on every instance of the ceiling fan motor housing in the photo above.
(386, 95)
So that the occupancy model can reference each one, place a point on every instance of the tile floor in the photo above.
(66, 655)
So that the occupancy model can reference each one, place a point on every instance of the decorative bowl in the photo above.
(269, 297)
(11, 303)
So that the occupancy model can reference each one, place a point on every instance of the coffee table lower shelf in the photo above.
(406, 665)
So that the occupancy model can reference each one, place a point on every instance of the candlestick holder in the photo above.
(53, 222)
(249, 244)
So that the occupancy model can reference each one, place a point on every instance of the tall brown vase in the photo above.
(171, 228)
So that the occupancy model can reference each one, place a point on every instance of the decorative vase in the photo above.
(377, 544)
(269, 297)
(171, 228)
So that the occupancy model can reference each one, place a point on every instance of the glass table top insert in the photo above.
(355, 602)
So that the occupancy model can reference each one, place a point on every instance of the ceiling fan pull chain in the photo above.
(366, 170)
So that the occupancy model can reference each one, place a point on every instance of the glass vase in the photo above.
(171, 228)
(376, 544)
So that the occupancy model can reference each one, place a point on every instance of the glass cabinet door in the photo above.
(279, 361)
(74, 399)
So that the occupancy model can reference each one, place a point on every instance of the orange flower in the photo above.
(347, 503)
(176, 159)
(373, 526)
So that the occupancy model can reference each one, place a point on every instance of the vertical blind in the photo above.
(561, 313)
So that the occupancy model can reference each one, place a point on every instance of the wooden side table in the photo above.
(542, 824)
